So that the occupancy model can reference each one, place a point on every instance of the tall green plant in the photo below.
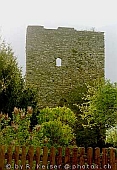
(57, 126)
(13, 90)
(11, 81)
(100, 113)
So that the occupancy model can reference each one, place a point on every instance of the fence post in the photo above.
(89, 157)
(74, 158)
(59, 158)
(2, 157)
(45, 158)
(16, 158)
(52, 157)
(23, 158)
(9, 158)
(97, 158)
(82, 162)
(104, 157)
(112, 159)
(67, 162)
(31, 155)
(38, 150)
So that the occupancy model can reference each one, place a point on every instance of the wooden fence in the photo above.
(76, 158)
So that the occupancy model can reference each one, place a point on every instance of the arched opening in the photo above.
(58, 62)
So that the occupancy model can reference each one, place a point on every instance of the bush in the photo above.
(57, 126)
(53, 132)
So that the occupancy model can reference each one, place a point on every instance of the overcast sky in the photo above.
(15, 15)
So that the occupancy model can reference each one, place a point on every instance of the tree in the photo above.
(76, 98)
(29, 97)
(13, 91)
(100, 112)
(11, 81)
(95, 109)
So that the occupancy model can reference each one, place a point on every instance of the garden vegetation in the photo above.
(88, 118)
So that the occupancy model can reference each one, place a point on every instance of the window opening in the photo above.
(58, 62)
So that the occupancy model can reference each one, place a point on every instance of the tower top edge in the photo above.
(61, 29)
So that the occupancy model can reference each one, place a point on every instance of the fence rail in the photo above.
(55, 158)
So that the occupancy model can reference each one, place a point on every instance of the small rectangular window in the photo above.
(58, 62)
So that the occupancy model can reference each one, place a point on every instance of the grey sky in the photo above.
(15, 15)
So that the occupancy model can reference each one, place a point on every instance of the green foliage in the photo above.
(100, 113)
(57, 125)
(28, 97)
(102, 107)
(63, 114)
(54, 132)
(95, 106)
(111, 136)
(11, 81)
(13, 91)
(76, 97)
(18, 132)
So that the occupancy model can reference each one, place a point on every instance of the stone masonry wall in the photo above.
(82, 60)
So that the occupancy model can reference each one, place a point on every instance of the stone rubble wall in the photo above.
(81, 54)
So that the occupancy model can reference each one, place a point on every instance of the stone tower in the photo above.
(58, 59)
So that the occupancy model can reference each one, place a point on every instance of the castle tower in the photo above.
(58, 59)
